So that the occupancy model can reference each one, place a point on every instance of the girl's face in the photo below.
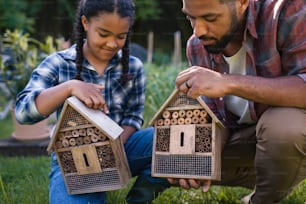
(106, 35)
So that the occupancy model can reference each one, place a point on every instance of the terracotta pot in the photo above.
(36, 131)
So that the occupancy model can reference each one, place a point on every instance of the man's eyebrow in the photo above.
(207, 15)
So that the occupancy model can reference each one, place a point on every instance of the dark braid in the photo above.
(79, 38)
(125, 61)
(91, 8)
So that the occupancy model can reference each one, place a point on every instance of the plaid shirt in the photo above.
(275, 42)
(125, 103)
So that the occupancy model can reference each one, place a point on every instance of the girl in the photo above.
(100, 72)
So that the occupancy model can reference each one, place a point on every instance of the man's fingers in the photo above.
(206, 185)
(194, 183)
(184, 184)
(173, 181)
(190, 183)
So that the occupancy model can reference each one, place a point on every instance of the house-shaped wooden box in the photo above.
(187, 140)
(88, 149)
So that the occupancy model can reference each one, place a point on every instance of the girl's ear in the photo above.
(84, 22)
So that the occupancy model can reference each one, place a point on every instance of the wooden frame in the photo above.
(187, 139)
(89, 150)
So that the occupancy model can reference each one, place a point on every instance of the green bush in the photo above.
(160, 84)
(27, 53)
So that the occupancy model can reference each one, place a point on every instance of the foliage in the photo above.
(22, 14)
(160, 84)
(26, 54)
(66, 8)
(146, 9)
(19, 14)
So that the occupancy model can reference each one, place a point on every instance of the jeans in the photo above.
(138, 149)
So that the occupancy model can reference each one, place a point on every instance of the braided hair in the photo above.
(91, 8)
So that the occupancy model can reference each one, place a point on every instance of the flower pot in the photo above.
(36, 131)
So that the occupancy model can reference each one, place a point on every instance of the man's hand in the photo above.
(196, 81)
(190, 183)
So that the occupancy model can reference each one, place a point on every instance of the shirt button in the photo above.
(221, 98)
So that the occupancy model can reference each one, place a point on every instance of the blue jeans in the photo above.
(139, 154)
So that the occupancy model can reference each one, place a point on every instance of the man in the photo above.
(248, 61)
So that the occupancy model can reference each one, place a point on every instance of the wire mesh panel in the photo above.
(181, 99)
(72, 118)
(183, 165)
(104, 181)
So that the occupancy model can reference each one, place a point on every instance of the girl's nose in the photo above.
(112, 43)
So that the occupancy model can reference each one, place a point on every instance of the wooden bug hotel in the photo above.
(90, 154)
(187, 141)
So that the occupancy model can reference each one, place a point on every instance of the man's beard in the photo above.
(220, 45)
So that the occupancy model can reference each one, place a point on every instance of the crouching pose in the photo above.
(99, 71)
(247, 61)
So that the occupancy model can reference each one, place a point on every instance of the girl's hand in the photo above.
(89, 93)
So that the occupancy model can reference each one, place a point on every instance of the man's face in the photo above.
(215, 23)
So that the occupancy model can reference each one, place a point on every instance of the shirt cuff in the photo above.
(303, 76)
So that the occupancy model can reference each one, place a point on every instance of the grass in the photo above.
(25, 179)
(6, 127)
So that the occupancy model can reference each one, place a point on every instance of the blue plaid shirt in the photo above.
(125, 103)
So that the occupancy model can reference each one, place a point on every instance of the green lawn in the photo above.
(25, 179)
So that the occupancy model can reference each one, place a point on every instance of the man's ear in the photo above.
(242, 5)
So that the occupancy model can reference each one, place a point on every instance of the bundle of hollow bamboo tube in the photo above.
(183, 117)
(78, 137)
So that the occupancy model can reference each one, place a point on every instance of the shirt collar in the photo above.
(252, 14)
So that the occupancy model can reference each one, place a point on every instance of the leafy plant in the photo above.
(160, 84)
(18, 14)
(24, 54)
